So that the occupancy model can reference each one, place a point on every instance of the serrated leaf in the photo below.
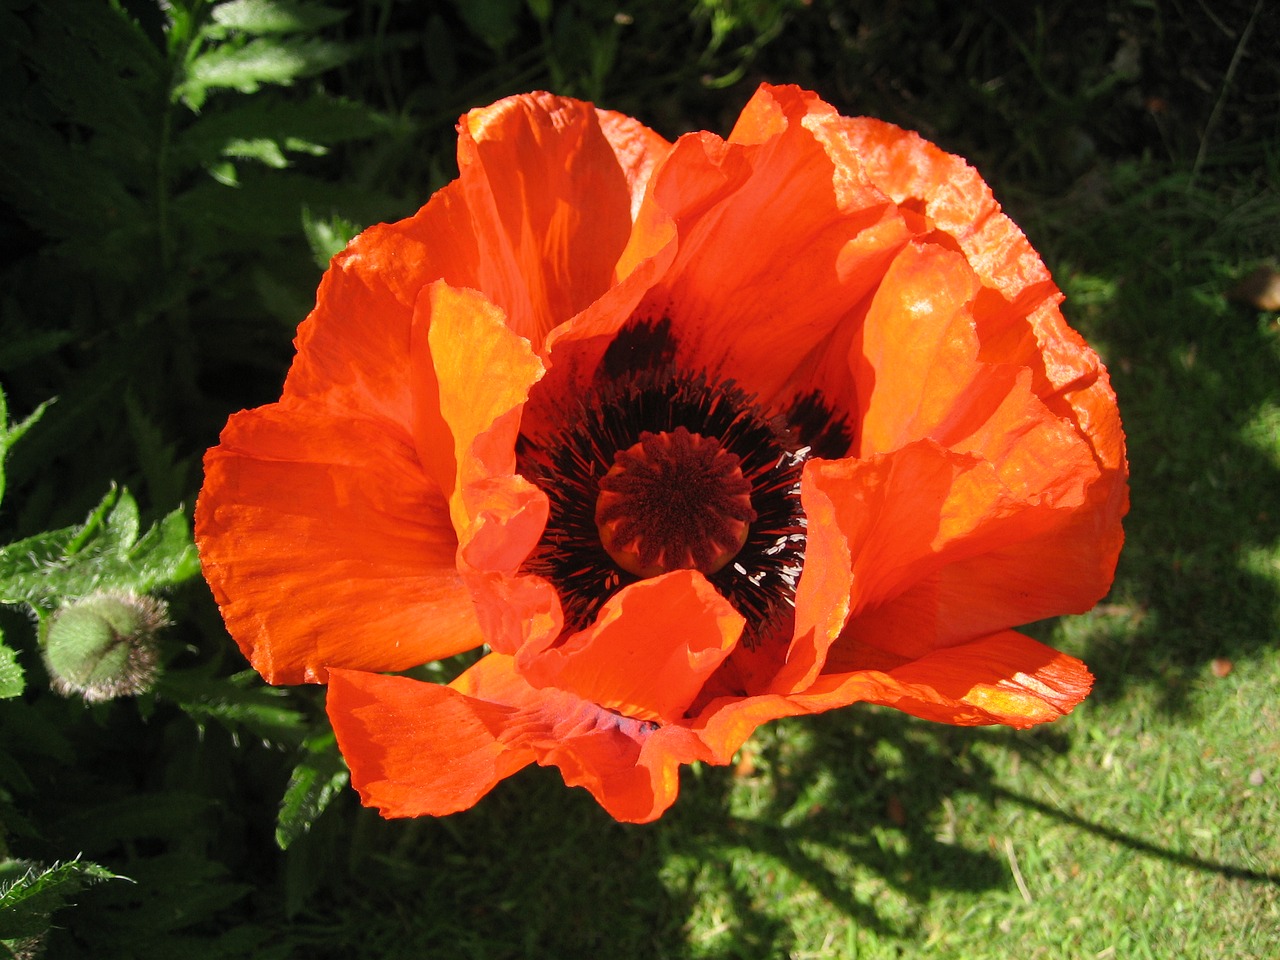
(240, 703)
(11, 434)
(320, 776)
(164, 473)
(261, 61)
(76, 145)
(327, 236)
(30, 893)
(273, 16)
(95, 66)
(262, 149)
(290, 123)
(12, 682)
(66, 192)
(266, 204)
(105, 552)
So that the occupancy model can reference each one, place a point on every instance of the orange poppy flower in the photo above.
(692, 435)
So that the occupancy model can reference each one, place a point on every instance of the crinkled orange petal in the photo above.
(631, 767)
(1021, 326)
(419, 749)
(326, 545)
(1004, 677)
(919, 346)
(638, 150)
(550, 195)
(416, 748)
(824, 595)
(1043, 574)
(473, 233)
(649, 651)
(921, 175)
(480, 374)
(483, 371)
(1067, 376)
(352, 350)
(775, 249)
(906, 516)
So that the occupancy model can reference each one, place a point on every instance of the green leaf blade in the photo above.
(273, 16)
(105, 553)
(319, 777)
(261, 61)
(30, 893)
(12, 680)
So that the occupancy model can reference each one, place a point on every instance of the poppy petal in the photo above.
(638, 150)
(631, 767)
(1022, 325)
(550, 197)
(326, 545)
(1005, 678)
(351, 347)
(476, 376)
(482, 374)
(649, 651)
(773, 180)
(421, 749)
(920, 348)
(923, 177)
(907, 515)
(351, 351)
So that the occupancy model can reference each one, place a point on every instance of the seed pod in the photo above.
(103, 646)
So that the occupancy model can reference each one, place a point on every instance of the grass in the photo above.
(1143, 825)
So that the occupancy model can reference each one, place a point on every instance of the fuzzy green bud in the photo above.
(103, 646)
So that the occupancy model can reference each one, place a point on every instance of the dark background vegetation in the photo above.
(173, 177)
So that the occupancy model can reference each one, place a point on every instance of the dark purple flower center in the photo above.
(657, 468)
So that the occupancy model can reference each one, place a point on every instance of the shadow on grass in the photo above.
(1197, 378)
(1137, 844)
(843, 823)
(841, 809)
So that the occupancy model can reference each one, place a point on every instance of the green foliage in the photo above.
(249, 43)
(154, 193)
(270, 17)
(12, 681)
(327, 237)
(103, 553)
(30, 894)
(12, 433)
(318, 778)
(240, 704)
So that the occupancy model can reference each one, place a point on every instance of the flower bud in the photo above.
(102, 646)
